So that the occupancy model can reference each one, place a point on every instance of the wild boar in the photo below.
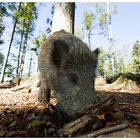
(67, 67)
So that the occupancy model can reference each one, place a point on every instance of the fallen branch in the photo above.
(135, 116)
(20, 87)
(102, 105)
(33, 82)
(5, 85)
(106, 130)
(74, 126)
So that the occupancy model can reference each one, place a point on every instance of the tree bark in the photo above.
(19, 53)
(23, 53)
(111, 52)
(63, 17)
(89, 36)
(30, 66)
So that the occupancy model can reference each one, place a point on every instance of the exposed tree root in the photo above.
(31, 83)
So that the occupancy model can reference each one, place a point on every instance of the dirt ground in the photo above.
(22, 116)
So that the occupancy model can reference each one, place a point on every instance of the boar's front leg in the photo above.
(44, 93)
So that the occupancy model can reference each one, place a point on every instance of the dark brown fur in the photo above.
(67, 67)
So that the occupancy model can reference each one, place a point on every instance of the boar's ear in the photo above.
(59, 52)
(96, 52)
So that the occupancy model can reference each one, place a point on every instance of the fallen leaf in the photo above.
(101, 116)
(35, 123)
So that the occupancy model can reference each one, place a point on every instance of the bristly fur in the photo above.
(67, 68)
(81, 56)
(76, 52)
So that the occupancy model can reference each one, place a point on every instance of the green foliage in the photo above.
(88, 20)
(9, 70)
(3, 9)
(1, 61)
(1, 58)
(13, 6)
(103, 19)
(3, 12)
(26, 16)
(99, 19)
(129, 68)
(136, 57)
(108, 70)
(38, 41)
(125, 76)
(121, 66)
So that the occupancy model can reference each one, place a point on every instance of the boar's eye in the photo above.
(73, 78)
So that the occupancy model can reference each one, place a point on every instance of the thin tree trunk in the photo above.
(1, 26)
(63, 17)
(23, 53)
(22, 58)
(89, 35)
(111, 52)
(30, 66)
(19, 53)
(9, 48)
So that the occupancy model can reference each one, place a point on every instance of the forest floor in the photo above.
(22, 116)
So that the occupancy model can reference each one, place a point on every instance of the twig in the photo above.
(124, 103)
(107, 130)
(135, 116)
(74, 126)
(7, 85)
(20, 87)
(101, 106)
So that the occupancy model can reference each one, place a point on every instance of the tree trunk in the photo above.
(19, 53)
(89, 36)
(9, 48)
(63, 17)
(30, 66)
(23, 53)
(111, 52)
